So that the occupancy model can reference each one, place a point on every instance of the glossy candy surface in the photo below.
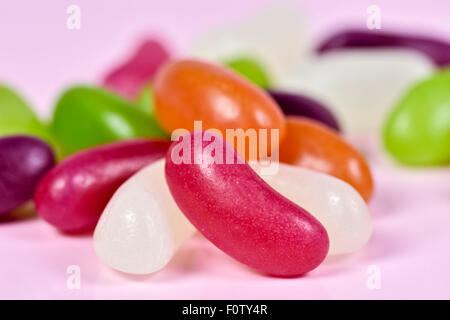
(314, 146)
(23, 162)
(16, 117)
(73, 195)
(336, 204)
(239, 213)
(300, 105)
(417, 131)
(276, 36)
(189, 90)
(129, 78)
(86, 117)
(359, 86)
(437, 50)
(250, 69)
(141, 228)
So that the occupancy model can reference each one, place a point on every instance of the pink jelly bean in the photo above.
(238, 212)
(132, 76)
(72, 195)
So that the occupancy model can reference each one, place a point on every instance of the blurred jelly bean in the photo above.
(23, 162)
(133, 75)
(276, 37)
(359, 85)
(240, 213)
(16, 117)
(312, 145)
(73, 195)
(437, 50)
(86, 116)
(144, 100)
(250, 69)
(336, 204)
(141, 228)
(299, 105)
(417, 132)
(189, 90)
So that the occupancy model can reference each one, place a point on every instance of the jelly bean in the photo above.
(189, 90)
(16, 117)
(358, 85)
(250, 69)
(417, 132)
(73, 195)
(437, 50)
(133, 75)
(299, 105)
(23, 162)
(141, 228)
(276, 37)
(312, 145)
(85, 117)
(336, 204)
(238, 212)
(144, 100)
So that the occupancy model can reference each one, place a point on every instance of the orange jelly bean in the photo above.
(189, 90)
(312, 145)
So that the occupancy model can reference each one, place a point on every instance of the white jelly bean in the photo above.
(360, 85)
(336, 204)
(141, 228)
(276, 37)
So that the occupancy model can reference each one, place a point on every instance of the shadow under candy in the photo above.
(21, 214)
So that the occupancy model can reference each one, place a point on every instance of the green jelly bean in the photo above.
(144, 100)
(417, 131)
(88, 116)
(16, 117)
(250, 69)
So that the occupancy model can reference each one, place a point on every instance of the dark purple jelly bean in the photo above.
(298, 105)
(23, 162)
(436, 49)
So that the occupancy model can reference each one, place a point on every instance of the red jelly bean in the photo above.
(131, 77)
(238, 212)
(72, 195)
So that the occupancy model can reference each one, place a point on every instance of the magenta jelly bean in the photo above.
(238, 212)
(129, 78)
(23, 162)
(436, 49)
(300, 105)
(73, 195)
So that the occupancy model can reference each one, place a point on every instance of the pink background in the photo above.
(411, 208)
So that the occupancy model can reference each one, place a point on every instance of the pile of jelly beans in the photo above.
(106, 163)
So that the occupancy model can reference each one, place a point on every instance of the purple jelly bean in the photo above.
(436, 49)
(23, 162)
(299, 105)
